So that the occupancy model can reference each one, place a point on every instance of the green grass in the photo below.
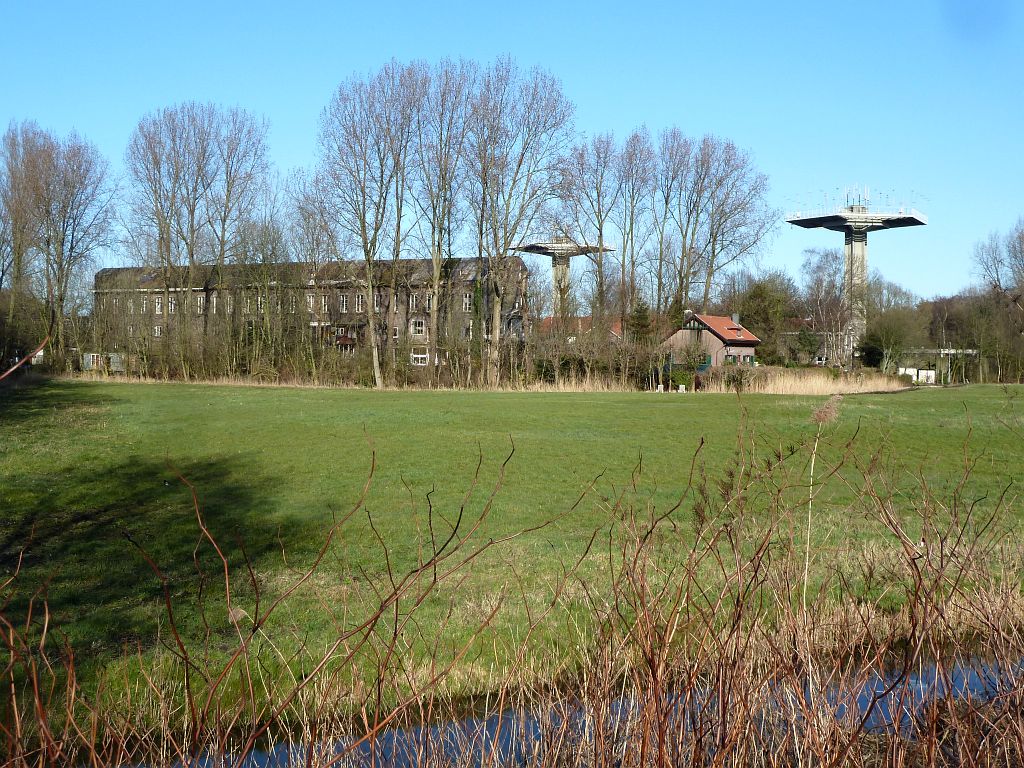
(86, 469)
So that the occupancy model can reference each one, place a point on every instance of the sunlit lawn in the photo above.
(89, 479)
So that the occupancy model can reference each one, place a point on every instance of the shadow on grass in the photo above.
(79, 528)
(25, 400)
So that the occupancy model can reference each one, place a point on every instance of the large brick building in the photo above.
(138, 308)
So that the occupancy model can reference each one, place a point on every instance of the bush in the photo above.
(738, 377)
(680, 377)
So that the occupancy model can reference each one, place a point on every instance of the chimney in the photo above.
(687, 316)
(735, 318)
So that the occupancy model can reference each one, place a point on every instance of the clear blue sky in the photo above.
(921, 98)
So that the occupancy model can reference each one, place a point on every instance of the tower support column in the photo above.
(559, 283)
(856, 284)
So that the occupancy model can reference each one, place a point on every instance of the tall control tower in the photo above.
(855, 220)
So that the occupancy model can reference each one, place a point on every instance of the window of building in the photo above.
(467, 302)
(394, 333)
(143, 305)
(730, 359)
(323, 304)
(360, 303)
(418, 356)
(418, 327)
(213, 304)
(414, 302)
(467, 332)
(259, 305)
(247, 307)
(131, 330)
(172, 305)
(428, 301)
(116, 302)
(342, 330)
(309, 302)
(158, 305)
(343, 303)
(131, 306)
(200, 303)
(394, 303)
(376, 302)
(229, 303)
(158, 331)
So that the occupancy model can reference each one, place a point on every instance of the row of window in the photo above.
(739, 359)
(417, 328)
(200, 304)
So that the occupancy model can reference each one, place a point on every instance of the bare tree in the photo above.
(518, 125)
(589, 189)
(823, 287)
(161, 171)
(237, 175)
(313, 240)
(20, 231)
(402, 91)
(6, 244)
(197, 172)
(71, 205)
(695, 167)
(265, 300)
(441, 126)
(738, 216)
(672, 169)
(1000, 260)
(636, 169)
(358, 172)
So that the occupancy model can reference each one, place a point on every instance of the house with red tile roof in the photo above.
(723, 339)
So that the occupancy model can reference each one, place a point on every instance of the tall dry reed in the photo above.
(799, 381)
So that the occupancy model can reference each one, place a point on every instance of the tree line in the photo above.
(445, 159)
(435, 160)
(976, 335)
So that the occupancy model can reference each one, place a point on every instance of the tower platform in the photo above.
(855, 221)
(857, 217)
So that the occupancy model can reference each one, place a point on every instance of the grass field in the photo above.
(89, 478)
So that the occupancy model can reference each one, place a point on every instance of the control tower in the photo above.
(560, 249)
(855, 221)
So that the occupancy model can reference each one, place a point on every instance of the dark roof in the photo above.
(294, 274)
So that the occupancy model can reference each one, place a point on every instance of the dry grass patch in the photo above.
(800, 381)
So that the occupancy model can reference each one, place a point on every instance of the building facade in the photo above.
(137, 309)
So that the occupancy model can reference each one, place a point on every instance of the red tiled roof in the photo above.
(728, 331)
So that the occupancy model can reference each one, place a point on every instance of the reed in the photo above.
(799, 381)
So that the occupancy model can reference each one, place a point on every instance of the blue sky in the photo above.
(920, 101)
